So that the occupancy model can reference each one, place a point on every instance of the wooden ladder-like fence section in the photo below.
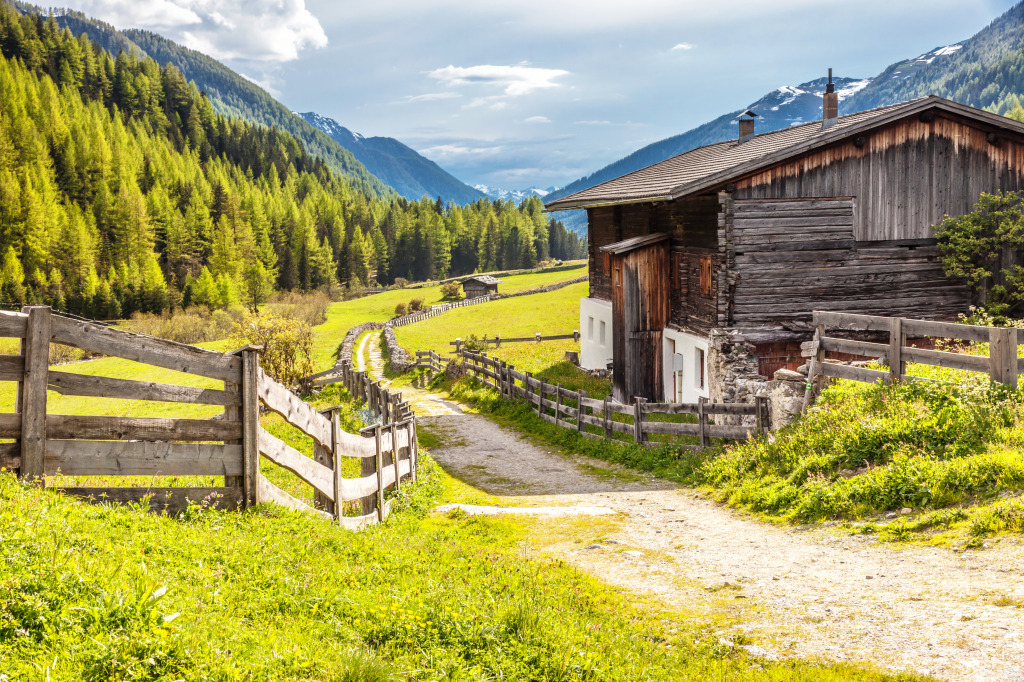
(387, 454)
(384, 404)
(430, 360)
(229, 445)
(1002, 363)
(497, 340)
(436, 310)
(575, 410)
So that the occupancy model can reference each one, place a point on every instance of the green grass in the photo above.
(115, 593)
(344, 315)
(554, 312)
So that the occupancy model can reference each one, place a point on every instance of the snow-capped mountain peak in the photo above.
(929, 57)
(516, 195)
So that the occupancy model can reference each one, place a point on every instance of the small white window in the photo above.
(698, 374)
(602, 332)
(590, 328)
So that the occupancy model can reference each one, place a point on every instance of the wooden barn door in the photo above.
(640, 312)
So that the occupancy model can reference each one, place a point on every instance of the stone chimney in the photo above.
(746, 120)
(829, 104)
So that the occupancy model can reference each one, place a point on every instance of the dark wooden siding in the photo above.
(795, 256)
(640, 313)
(692, 222)
(905, 177)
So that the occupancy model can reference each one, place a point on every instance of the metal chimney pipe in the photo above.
(829, 104)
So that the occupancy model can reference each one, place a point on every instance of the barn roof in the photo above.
(635, 243)
(715, 164)
(483, 279)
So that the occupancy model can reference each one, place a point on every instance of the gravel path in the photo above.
(793, 592)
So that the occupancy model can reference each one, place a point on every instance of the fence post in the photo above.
(638, 415)
(607, 417)
(897, 339)
(250, 427)
(497, 340)
(558, 405)
(580, 410)
(339, 510)
(816, 361)
(538, 337)
(540, 399)
(1002, 352)
(35, 348)
(380, 474)
(702, 423)
(763, 417)
(414, 448)
(575, 334)
(394, 457)
(458, 344)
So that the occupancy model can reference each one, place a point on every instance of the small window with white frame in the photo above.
(590, 328)
(698, 373)
(602, 332)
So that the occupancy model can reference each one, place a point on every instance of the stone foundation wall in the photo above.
(349, 342)
(733, 373)
(397, 357)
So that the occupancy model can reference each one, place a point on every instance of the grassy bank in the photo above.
(114, 593)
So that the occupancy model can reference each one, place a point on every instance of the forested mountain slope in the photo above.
(985, 71)
(121, 189)
(229, 93)
(411, 174)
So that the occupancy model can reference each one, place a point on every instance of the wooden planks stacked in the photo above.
(571, 409)
(794, 256)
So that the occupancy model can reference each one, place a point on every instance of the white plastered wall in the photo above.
(595, 344)
(689, 347)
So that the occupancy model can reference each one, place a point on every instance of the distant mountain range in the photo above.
(515, 195)
(986, 71)
(375, 164)
(411, 174)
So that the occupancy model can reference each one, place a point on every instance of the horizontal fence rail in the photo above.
(229, 445)
(1002, 364)
(430, 360)
(574, 410)
(498, 340)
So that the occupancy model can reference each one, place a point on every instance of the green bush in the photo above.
(287, 354)
(401, 309)
(415, 305)
(451, 291)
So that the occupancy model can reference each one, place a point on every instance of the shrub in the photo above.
(451, 291)
(474, 344)
(310, 308)
(194, 325)
(415, 305)
(287, 353)
(401, 282)
(400, 309)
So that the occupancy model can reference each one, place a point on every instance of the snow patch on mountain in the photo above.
(516, 195)
(929, 57)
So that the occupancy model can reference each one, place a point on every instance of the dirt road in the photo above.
(789, 591)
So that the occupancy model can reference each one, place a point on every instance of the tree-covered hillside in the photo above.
(121, 189)
(986, 72)
(229, 93)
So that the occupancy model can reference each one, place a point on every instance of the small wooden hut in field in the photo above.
(480, 285)
(743, 239)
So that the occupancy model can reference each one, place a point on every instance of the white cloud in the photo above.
(537, 119)
(267, 31)
(449, 150)
(515, 81)
(592, 123)
(430, 96)
(682, 47)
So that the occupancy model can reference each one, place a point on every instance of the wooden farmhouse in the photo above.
(750, 235)
(480, 285)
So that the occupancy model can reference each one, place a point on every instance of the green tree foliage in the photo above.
(984, 248)
(122, 190)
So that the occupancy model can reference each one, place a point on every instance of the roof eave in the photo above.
(563, 205)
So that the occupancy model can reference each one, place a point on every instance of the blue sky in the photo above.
(541, 92)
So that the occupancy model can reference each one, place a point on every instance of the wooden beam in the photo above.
(36, 350)
(119, 458)
(65, 426)
(66, 383)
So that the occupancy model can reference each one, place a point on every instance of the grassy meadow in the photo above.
(380, 307)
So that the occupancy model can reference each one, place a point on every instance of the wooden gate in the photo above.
(640, 312)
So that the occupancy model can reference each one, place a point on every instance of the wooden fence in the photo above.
(575, 410)
(1001, 364)
(498, 340)
(229, 445)
(436, 310)
(384, 404)
(430, 360)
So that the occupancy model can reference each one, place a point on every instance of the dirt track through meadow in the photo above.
(792, 592)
